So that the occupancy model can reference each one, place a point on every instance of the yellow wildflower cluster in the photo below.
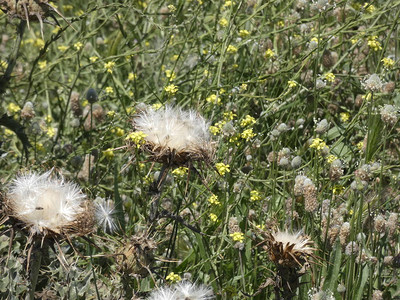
(213, 217)
(331, 158)
(180, 172)
(243, 87)
(243, 33)
(173, 277)
(109, 66)
(132, 76)
(228, 116)
(388, 63)
(318, 144)
(231, 49)
(51, 132)
(329, 77)
(93, 59)
(137, 137)
(62, 48)
(42, 64)
(109, 153)
(292, 84)
(228, 3)
(118, 131)
(170, 75)
(369, 8)
(269, 54)
(237, 237)
(255, 195)
(248, 120)
(344, 117)
(222, 168)
(247, 134)
(171, 8)
(213, 199)
(39, 43)
(373, 43)
(338, 189)
(360, 145)
(13, 108)
(78, 46)
(171, 89)
(213, 99)
(223, 22)
(3, 64)
(109, 90)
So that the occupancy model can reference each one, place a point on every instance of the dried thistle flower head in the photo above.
(289, 250)
(48, 206)
(173, 135)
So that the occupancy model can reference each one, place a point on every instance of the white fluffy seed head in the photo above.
(183, 290)
(104, 212)
(169, 130)
(48, 205)
(164, 293)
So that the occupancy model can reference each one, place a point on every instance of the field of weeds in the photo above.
(199, 149)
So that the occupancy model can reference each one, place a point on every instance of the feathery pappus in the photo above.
(172, 135)
(48, 205)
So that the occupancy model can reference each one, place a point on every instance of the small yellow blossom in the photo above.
(318, 144)
(229, 116)
(292, 84)
(367, 97)
(255, 195)
(314, 40)
(388, 63)
(171, 89)
(213, 217)
(8, 132)
(39, 146)
(205, 73)
(344, 117)
(171, 8)
(175, 57)
(39, 43)
(237, 237)
(93, 59)
(280, 24)
(56, 30)
(329, 77)
(360, 145)
(130, 110)
(231, 49)
(243, 87)
(13, 108)
(78, 46)
(338, 189)
(247, 134)
(269, 53)
(223, 22)
(132, 76)
(369, 8)
(51, 132)
(109, 66)
(173, 277)
(137, 137)
(42, 64)
(109, 90)
(48, 119)
(331, 158)
(109, 153)
(118, 131)
(228, 3)
(67, 7)
(156, 106)
(262, 226)
(214, 130)
(79, 13)
(248, 120)
(62, 48)
(213, 199)
(373, 43)
(180, 172)
(213, 99)
(111, 114)
(243, 33)
(354, 41)
(222, 168)
(3, 64)
(170, 75)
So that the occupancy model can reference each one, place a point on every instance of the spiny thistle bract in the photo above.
(48, 206)
(288, 249)
(175, 136)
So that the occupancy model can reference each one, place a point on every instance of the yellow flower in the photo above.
(373, 43)
(388, 63)
(13, 108)
(39, 147)
(237, 237)
(269, 53)
(344, 116)
(213, 217)
(369, 8)
(39, 43)
(292, 84)
(243, 33)
(223, 22)
(109, 153)
(228, 3)
(243, 87)
(111, 114)
(78, 46)
(3, 64)
(331, 158)
(280, 24)
(8, 132)
(338, 189)
(93, 59)
(109, 90)
(255, 195)
(171, 89)
(173, 277)
(62, 48)
(248, 120)
(109, 66)
(118, 131)
(213, 199)
(180, 172)
(229, 115)
(214, 130)
(51, 132)
(213, 99)
(222, 168)
(49, 119)
(354, 41)
(42, 64)
(175, 57)
(247, 134)
(231, 49)
(329, 77)
(360, 145)
(137, 137)
(171, 8)
(170, 75)
(56, 30)
(318, 144)
(156, 106)
(132, 76)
